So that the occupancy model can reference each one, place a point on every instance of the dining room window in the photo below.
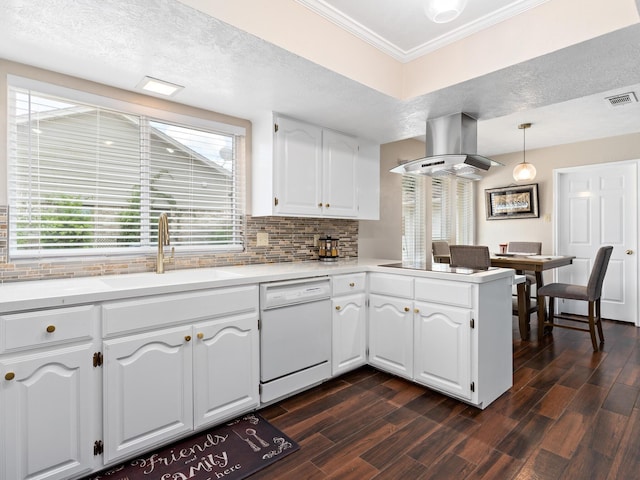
(413, 219)
(86, 177)
(451, 210)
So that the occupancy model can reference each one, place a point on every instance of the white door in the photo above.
(597, 205)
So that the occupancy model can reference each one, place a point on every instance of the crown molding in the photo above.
(337, 17)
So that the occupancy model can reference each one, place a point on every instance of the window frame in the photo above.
(151, 114)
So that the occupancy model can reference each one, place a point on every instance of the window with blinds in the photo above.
(413, 215)
(441, 211)
(464, 212)
(85, 179)
(452, 214)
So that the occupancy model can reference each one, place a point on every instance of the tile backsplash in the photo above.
(290, 240)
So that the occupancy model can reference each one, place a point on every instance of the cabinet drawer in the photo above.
(21, 331)
(445, 292)
(393, 285)
(159, 310)
(351, 283)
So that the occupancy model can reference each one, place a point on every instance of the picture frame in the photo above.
(515, 201)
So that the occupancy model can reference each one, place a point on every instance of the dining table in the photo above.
(537, 264)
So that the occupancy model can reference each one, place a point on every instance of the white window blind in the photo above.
(465, 215)
(84, 179)
(413, 216)
(441, 211)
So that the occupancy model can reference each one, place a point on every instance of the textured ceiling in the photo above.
(117, 42)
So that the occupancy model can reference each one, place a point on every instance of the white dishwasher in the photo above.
(295, 336)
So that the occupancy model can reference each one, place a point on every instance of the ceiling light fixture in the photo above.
(524, 171)
(160, 87)
(443, 11)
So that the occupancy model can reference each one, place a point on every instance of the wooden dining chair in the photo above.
(469, 256)
(531, 305)
(440, 250)
(590, 293)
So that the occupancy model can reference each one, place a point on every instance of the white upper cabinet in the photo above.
(300, 169)
(339, 174)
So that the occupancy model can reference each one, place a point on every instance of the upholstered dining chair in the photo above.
(470, 256)
(534, 248)
(590, 293)
(440, 250)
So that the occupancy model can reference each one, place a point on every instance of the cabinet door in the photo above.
(49, 408)
(298, 168)
(147, 390)
(391, 334)
(226, 368)
(443, 348)
(339, 187)
(349, 341)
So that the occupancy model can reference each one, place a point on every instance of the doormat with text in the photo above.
(231, 451)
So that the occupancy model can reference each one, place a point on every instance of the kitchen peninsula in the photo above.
(96, 370)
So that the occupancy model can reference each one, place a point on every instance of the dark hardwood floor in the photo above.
(571, 414)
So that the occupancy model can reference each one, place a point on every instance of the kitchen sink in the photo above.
(173, 277)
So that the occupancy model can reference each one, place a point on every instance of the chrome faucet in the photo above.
(163, 239)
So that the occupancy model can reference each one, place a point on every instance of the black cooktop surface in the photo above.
(437, 267)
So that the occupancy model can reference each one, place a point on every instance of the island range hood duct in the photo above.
(451, 150)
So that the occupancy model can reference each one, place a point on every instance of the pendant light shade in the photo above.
(443, 11)
(524, 171)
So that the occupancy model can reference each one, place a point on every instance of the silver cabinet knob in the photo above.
(629, 252)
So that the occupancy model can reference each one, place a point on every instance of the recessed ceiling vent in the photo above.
(622, 99)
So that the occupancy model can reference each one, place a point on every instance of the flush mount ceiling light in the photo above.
(524, 171)
(443, 11)
(160, 87)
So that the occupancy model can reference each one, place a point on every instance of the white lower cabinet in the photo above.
(450, 335)
(225, 369)
(442, 348)
(161, 384)
(391, 334)
(349, 322)
(349, 333)
(147, 390)
(49, 397)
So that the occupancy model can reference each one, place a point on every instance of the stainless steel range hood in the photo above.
(451, 150)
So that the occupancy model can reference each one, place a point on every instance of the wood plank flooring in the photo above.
(571, 414)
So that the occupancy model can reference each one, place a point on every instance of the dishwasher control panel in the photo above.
(278, 294)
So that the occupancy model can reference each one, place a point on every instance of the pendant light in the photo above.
(524, 171)
(443, 11)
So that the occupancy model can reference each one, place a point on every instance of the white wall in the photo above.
(383, 238)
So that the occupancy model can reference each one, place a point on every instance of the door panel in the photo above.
(598, 205)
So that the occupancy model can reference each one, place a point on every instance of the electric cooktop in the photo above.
(438, 267)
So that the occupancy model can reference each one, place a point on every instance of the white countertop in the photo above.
(30, 295)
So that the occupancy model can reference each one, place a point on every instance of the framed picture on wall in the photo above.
(517, 201)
